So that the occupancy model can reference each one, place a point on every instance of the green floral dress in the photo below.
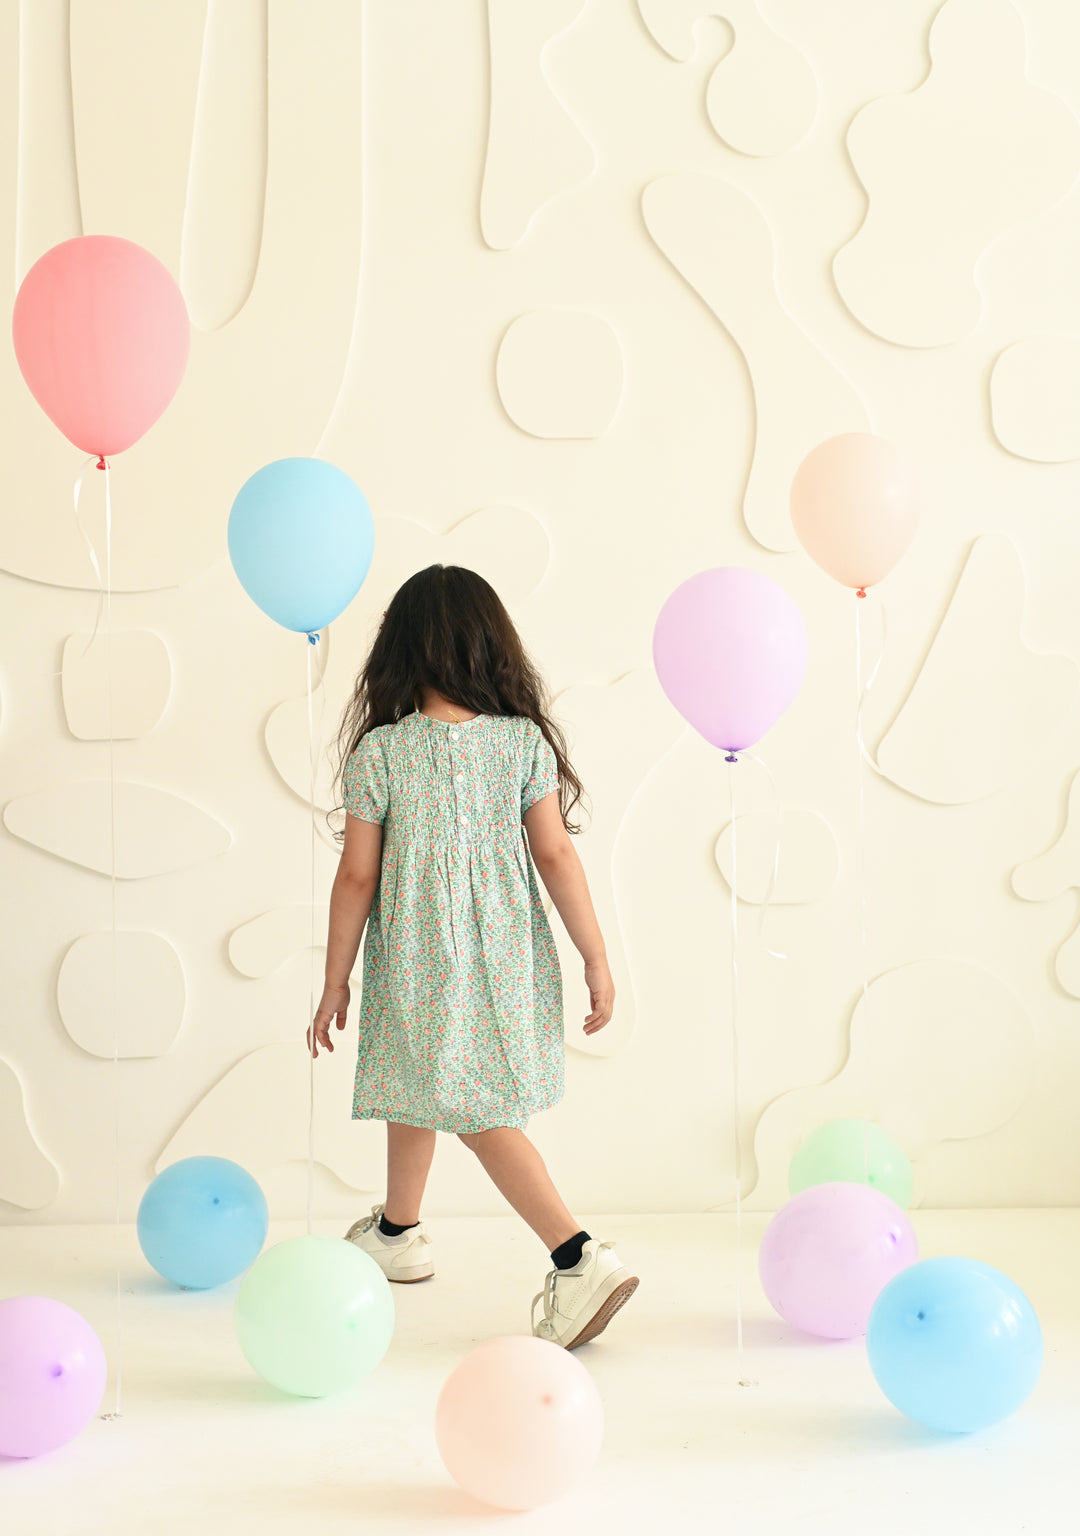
(461, 1023)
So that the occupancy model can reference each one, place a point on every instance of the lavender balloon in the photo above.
(730, 652)
(829, 1253)
(52, 1374)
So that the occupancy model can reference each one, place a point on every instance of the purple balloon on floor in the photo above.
(52, 1374)
(827, 1255)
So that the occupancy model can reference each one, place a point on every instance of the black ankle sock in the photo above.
(391, 1228)
(567, 1254)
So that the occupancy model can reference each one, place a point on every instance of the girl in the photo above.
(449, 762)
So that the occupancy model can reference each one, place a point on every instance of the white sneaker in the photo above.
(580, 1302)
(406, 1258)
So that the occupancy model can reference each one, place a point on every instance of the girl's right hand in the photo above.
(334, 1004)
(601, 995)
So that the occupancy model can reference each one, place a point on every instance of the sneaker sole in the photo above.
(605, 1312)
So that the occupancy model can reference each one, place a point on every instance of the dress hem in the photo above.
(458, 1126)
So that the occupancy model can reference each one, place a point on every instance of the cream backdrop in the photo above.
(569, 288)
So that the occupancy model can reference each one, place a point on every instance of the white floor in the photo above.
(205, 1446)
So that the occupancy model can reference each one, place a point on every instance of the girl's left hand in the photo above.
(335, 1003)
(601, 995)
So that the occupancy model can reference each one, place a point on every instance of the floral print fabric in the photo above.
(461, 1022)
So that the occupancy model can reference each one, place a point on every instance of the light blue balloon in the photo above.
(202, 1222)
(301, 538)
(954, 1344)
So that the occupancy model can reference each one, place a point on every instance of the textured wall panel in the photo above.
(762, 96)
(720, 242)
(946, 169)
(984, 705)
(365, 204)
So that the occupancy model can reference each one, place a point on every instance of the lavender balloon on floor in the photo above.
(827, 1255)
(52, 1374)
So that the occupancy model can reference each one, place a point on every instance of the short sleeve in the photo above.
(540, 773)
(364, 784)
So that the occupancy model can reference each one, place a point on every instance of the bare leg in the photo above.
(409, 1150)
(518, 1172)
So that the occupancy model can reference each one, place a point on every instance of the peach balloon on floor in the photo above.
(855, 507)
(519, 1422)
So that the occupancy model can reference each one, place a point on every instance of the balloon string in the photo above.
(103, 464)
(774, 871)
(313, 641)
(104, 612)
(862, 759)
(95, 563)
(863, 689)
(736, 1095)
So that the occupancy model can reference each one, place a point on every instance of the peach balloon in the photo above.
(855, 507)
(519, 1422)
(101, 335)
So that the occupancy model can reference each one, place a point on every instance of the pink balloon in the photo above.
(855, 507)
(519, 1421)
(730, 652)
(101, 334)
(827, 1255)
(52, 1374)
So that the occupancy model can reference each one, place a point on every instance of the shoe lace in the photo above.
(362, 1227)
(546, 1328)
(549, 1296)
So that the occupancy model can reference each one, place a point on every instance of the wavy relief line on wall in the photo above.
(226, 188)
(947, 168)
(984, 705)
(1035, 399)
(762, 97)
(508, 546)
(806, 864)
(46, 194)
(720, 243)
(616, 732)
(28, 1176)
(535, 151)
(276, 1076)
(156, 831)
(940, 1050)
(265, 943)
(1048, 876)
(170, 491)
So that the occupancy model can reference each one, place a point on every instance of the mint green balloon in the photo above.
(852, 1152)
(314, 1315)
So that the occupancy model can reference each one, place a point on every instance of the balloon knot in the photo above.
(101, 464)
(731, 758)
(313, 638)
(861, 592)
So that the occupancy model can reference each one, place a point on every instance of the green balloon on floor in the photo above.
(852, 1152)
(314, 1315)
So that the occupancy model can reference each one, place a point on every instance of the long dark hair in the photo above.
(447, 629)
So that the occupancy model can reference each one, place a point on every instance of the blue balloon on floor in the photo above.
(954, 1344)
(202, 1222)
